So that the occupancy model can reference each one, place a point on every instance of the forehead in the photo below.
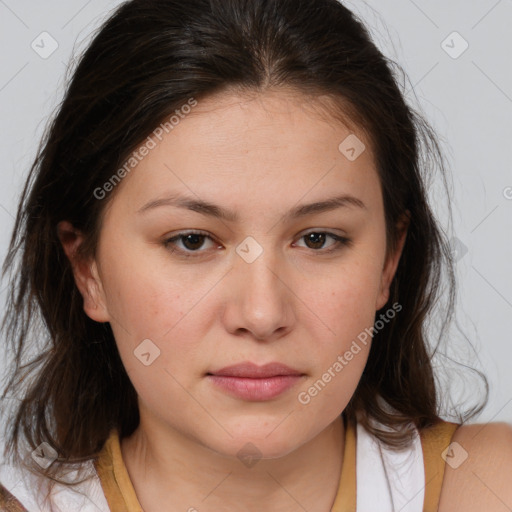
(259, 121)
(249, 145)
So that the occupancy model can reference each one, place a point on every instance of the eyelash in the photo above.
(341, 242)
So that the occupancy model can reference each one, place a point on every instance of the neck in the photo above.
(166, 467)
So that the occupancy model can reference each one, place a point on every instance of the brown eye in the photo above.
(189, 243)
(315, 240)
(193, 241)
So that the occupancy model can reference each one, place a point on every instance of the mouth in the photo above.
(253, 371)
(251, 382)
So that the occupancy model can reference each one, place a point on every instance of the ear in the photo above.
(85, 273)
(391, 263)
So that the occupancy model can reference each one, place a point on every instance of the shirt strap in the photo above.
(346, 498)
(434, 441)
(114, 478)
(8, 503)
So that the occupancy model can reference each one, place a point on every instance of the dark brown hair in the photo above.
(146, 61)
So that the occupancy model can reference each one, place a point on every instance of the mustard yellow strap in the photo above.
(8, 503)
(114, 478)
(110, 488)
(346, 496)
(434, 440)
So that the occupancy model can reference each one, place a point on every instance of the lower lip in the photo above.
(255, 389)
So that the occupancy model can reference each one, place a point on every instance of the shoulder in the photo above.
(478, 469)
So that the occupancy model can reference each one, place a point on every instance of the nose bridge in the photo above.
(261, 279)
(260, 302)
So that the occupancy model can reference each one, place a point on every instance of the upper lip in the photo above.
(253, 371)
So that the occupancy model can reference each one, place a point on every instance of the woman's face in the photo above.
(270, 186)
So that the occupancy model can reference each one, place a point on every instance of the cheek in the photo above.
(147, 304)
(345, 303)
(143, 295)
(165, 322)
(346, 297)
(349, 315)
(143, 305)
(345, 306)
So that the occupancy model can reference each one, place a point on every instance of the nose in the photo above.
(259, 301)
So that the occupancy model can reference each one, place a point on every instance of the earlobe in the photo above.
(392, 260)
(85, 273)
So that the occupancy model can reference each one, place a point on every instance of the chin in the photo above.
(257, 443)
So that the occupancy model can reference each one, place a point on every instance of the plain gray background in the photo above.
(466, 96)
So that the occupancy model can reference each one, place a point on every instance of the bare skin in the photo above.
(300, 302)
(483, 479)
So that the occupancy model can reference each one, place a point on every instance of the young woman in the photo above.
(226, 255)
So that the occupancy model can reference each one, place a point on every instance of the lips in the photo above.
(250, 382)
(250, 370)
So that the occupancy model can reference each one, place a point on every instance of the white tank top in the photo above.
(386, 480)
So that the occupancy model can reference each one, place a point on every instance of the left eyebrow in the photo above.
(212, 210)
(325, 206)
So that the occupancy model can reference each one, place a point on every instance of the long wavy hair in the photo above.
(146, 61)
